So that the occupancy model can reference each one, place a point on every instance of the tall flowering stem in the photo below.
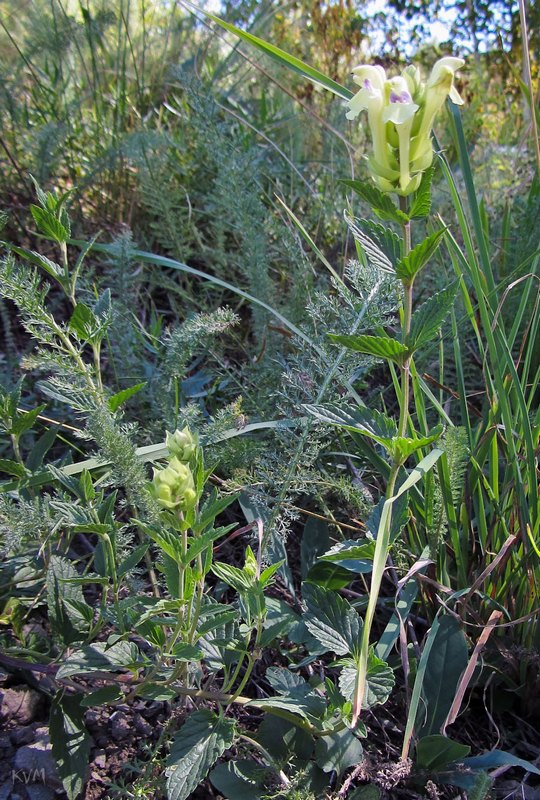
(383, 539)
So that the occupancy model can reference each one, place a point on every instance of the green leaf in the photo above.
(436, 751)
(447, 660)
(329, 576)
(49, 225)
(116, 400)
(358, 420)
(70, 742)
(283, 681)
(284, 58)
(338, 751)
(352, 554)
(315, 540)
(371, 248)
(85, 325)
(68, 624)
(421, 204)
(131, 561)
(428, 318)
(24, 420)
(51, 267)
(97, 657)
(410, 265)
(380, 202)
(403, 446)
(12, 468)
(232, 576)
(297, 706)
(379, 346)
(331, 619)
(102, 697)
(213, 506)
(241, 779)
(379, 683)
(500, 758)
(194, 750)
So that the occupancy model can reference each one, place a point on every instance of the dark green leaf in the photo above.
(70, 742)
(377, 346)
(410, 265)
(428, 318)
(97, 657)
(25, 420)
(500, 758)
(131, 561)
(195, 749)
(338, 751)
(379, 684)
(381, 203)
(241, 780)
(67, 622)
(41, 448)
(116, 400)
(51, 267)
(360, 420)
(329, 576)
(353, 554)
(49, 225)
(446, 663)
(12, 468)
(85, 325)
(102, 697)
(421, 205)
(371, 249)
(436, 751)
(315, 540)
(331, 619)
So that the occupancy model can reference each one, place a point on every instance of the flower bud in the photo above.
(173, 486)
(182, 444)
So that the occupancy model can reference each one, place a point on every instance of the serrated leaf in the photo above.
(378, 346)
(85, 325)
(116, 400)
(358, 420)
(194, 750)
(25, 420)
(434, 752)
(66, 620)
(283, 681)
(51, 267)
(338, 751)
(102, 697)
(213, 506)
(70, 742)
(49, 225)
(371, 249)
(379, 682)
(331, 619)
(298, 706)
(421, 205)
(97, 657)
(380, 203)
(241, 780)
(410, 265)
(428, 318)
(12, 468)
(232, 576)
(352, 554)
(403, 446)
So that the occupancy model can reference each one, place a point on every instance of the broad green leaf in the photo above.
(421, 204)
(358, 420)
(197, 544)
(97, 657)
(338, 751)
(352, 554)
(278, 620)
(447, 660)
(500, 758)
(102, 696)
(233, 576)
(283, 681)
(428, 318)
(380, 202)
(70, 742)
(242, 779)
(382, 235)
(116, 400)
(379, 683)
(23, 421)
(331, 619)
(283, 58)
(329, 576)
(284, 739)
(66, 620)
(410, 265)
(12, 468)
(51, 267)
(182, 651)
(370, 247)
(49, 225)
(315, 540)
(131, 561)
(201, 740)
(295, 706)
(378, 346)
(436, 751)
(85, 325)
(212, 507)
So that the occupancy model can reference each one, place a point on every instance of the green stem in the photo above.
(382, 544)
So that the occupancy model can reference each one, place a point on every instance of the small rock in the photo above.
(21, 705)
(120, 726)
(142, 726)
(36, 761)
(23, 735)
(100, 759)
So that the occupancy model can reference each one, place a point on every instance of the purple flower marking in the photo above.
(404, 97)
(367, 84)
